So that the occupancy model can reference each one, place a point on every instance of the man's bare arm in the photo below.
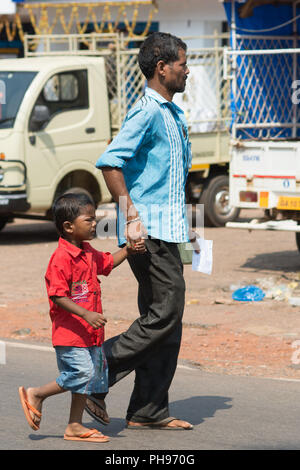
(115, 182)
(116, 185)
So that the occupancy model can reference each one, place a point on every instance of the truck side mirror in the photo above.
(39, 118)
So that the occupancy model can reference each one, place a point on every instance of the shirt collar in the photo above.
(160, 99)
(156, 96)
(72, 249)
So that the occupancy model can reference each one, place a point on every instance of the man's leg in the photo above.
(161, 302)
(149, 401)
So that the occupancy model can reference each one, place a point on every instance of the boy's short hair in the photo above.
(158, 46)
(67, 207)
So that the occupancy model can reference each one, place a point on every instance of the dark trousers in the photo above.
(151, 344)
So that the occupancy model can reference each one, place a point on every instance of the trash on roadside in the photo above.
(234, 287)
(192, 301)
(223, 301)
(279, 291)
(275, 289)
(22, 332)
(295, 301)
(248, 294)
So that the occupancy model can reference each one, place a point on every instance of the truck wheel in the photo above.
(79, 191)
(298, 240)
(3, 222)
(215, 197)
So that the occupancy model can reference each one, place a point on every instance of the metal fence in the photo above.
(264, 71)
(206, 100)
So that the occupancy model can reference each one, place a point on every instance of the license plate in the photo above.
(289, 203)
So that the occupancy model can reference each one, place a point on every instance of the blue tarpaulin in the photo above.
(264, 82)
(264, 17)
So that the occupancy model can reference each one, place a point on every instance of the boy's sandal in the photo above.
(26, 407)
(87, 437)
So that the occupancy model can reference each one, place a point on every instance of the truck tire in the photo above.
(215, 197)
(298, 240)
(79, 191)
(3, 222)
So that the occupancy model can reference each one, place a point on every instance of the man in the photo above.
(145, 168)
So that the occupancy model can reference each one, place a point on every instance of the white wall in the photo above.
(191, 18)
(7, 7)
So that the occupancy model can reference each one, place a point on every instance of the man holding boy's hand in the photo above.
(145, 169)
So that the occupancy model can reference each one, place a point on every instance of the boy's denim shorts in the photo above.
(82, 370)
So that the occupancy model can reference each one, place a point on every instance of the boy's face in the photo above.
(84, 226)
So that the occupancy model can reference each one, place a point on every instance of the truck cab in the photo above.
(54, 124)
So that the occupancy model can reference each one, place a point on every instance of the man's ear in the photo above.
(161, 66)
(68, 227)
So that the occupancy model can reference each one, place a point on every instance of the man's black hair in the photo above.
(158, 46)
(67, 207)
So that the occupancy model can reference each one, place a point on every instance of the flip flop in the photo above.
(162, 425)
(87, 437)
(92, 414)
(26, 407)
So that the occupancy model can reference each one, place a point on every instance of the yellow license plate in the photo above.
(288, 203)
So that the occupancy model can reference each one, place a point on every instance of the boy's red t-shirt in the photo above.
(72, 272)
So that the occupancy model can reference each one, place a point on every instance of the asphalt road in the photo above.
(228, 412)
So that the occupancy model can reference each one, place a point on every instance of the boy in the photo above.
(76, 313)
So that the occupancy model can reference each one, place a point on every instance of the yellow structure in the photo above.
(72, 17)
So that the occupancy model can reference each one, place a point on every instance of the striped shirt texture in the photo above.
(154, 153)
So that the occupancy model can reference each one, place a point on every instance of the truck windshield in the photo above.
(13, 86)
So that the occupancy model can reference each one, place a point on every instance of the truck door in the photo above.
(62, 134)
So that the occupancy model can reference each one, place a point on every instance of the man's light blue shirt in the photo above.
(153, 151)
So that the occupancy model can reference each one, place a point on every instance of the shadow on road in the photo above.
(287, 261)
(28, 233)
(196, 409)
(44, 231)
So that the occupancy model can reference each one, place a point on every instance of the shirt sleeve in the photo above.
(58, 279)
(128, 141)
(105, 263)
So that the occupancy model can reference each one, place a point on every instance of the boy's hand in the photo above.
(95, 319)
(138, 247)
(135, 233)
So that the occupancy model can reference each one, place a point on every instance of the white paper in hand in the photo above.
(202, 262)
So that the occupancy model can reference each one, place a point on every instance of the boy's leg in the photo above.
(75, 427)
(90, 367)
(36, 395)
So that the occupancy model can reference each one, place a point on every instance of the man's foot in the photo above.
(97, 409)
(166, 424)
